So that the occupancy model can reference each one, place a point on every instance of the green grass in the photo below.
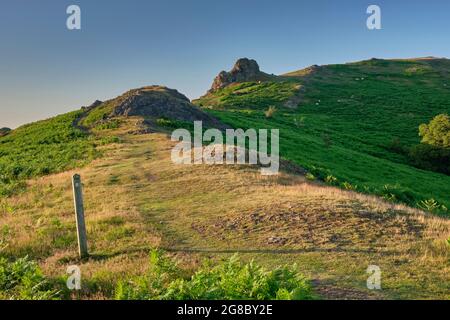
(97, 114)
(252, 95)
(108, 125)
(43, 148)
(347, 120)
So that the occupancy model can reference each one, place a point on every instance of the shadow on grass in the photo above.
(278, 251)
(106, 256)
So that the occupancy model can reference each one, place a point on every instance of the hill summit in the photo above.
(150, 102)
(243, 70)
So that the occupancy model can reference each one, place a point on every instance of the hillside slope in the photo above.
(69, 140)
(44, 147)
(137, 199)
(347, 123)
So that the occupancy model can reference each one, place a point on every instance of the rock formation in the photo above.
(244, 70)
(4, 131)
(159, 102)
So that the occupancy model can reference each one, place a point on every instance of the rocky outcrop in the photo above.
(94, 104)
(244, 70)
(157, 102)
(4, 131)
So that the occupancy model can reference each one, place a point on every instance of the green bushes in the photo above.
(331, 180)
(23, 280)
(432, 205)
(429, 157)
(42, 148)
(434, 152)
(437, 132)
(231, 279)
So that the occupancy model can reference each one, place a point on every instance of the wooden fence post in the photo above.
(79, 216)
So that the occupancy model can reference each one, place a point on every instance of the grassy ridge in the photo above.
(42, 148)
(349, 117)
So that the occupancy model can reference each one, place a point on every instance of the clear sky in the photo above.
(45, 69)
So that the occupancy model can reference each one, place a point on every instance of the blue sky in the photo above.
(46, 69)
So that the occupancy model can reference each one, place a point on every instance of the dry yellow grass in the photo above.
(136, 199)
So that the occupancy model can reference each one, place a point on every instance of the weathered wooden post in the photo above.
(79, 216)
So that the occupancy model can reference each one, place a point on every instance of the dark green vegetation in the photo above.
(42, 148)
(22, 279)
(230, 280)
(433, 153)
(251, 94)
(429, 157)
(351, 122)
(98, 114)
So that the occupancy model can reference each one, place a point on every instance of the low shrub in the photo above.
(270, 112)
(23, 280)
(431, 205)
(428, 157)
(229, 280)
(331, 180)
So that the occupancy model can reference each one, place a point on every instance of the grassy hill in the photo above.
(44, 147)
(350, 121)
(137, 200)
